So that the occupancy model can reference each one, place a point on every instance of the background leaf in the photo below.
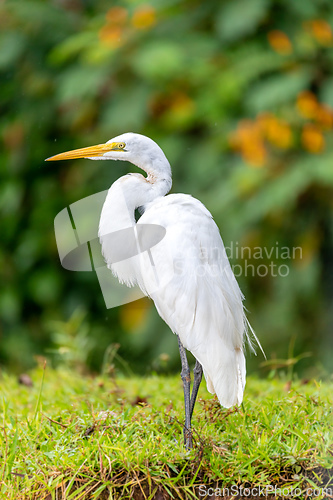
(239, 18)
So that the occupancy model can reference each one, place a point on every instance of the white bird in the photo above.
(187, 273)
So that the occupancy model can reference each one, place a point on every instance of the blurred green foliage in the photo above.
(238, 94)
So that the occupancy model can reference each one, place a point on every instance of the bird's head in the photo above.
(135, 148)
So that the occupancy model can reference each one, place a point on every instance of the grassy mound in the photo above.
(75, 437)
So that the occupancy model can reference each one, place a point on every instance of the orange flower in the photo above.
(112, 32)
(322, 31)
(111, 36)
(280, 135)
(324, 117)
(307, 104)
(278, 132)
(117, 15)
(144, 17)
(248, 140)
(255, 154)
(279, 42)
(312, 138)
(247, 132)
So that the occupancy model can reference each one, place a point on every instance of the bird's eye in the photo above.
(121, 145)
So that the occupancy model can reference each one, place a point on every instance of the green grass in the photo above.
(74, 437)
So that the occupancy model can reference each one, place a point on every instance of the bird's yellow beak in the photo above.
(89, 152)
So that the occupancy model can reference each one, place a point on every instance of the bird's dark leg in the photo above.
(197, 375)
(186, 378)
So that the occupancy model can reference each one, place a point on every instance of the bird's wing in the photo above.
(189, 277)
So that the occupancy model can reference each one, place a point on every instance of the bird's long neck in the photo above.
(158, 172)
(130, 192)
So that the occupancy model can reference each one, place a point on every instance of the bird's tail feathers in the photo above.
(229, 379)
(251, 337)
(224, 370)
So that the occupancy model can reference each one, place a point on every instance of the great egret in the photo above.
(187, 274)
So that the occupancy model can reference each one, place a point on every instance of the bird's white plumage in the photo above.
(199, 297)
(187, 274)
